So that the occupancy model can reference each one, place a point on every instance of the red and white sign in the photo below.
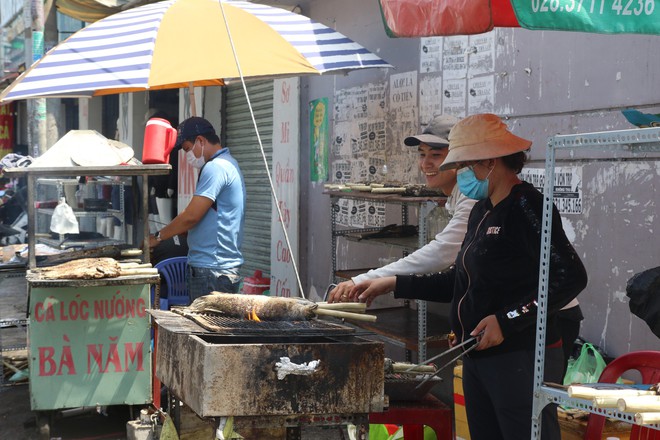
(286, 141)
(7, 140)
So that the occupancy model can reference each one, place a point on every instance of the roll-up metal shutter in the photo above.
(244, 146)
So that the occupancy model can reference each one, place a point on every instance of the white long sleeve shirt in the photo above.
(438, 254)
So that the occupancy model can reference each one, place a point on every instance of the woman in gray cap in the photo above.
(493, 284)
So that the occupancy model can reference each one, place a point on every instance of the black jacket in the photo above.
(497, 272)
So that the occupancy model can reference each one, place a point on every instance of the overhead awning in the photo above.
(7, 79)
(90, 11)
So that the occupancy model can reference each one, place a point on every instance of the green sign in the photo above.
(318, 139)
(597, 16)
(89, 346)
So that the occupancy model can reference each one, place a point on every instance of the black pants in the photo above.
(499, 392)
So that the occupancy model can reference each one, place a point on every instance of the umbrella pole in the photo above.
(193, 104)
(263, 154)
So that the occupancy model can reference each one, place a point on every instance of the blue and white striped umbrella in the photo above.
(178, 43)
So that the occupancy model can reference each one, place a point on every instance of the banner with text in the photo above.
(567, 186)
(286, 141)
(89, 346)
(7, 141)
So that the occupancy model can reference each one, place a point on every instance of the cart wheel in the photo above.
(44, 423)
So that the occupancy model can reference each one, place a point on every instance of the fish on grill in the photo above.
(265, 307)
(82, 269)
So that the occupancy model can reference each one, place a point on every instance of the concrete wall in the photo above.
(544, 83)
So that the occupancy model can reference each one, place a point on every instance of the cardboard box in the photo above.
(460, 418)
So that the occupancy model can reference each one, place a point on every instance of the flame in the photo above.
(252, 316)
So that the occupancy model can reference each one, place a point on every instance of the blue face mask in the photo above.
(470, 185)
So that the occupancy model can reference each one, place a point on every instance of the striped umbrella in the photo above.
(180, 43)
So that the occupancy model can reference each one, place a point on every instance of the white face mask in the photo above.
(195, 162)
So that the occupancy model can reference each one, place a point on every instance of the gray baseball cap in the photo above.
(435, 134)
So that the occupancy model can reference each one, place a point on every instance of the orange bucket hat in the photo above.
(480, 137)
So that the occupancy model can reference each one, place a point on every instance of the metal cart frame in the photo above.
(120, 170)
(631, 141)
(44, 418)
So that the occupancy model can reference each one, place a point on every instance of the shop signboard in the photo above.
(6, 129)
(89, 346)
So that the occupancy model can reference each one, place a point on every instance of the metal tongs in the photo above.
(471, 343)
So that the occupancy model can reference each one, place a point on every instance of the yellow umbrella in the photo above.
(178, 43)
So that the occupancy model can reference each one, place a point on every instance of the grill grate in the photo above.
(219, 323)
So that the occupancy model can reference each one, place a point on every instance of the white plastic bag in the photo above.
(64, 220)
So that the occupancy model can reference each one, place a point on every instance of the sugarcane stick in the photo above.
(345, 315)
(647, 418)
(585, 392)
(639, 404)
(144, 271)
(606, 401)
(347, 307)
(392, 367)
(130, 252)
(403, 367)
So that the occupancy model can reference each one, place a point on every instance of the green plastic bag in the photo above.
(586, 368)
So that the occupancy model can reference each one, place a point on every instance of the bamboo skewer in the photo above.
(347, 307)
(123, 266)
(139, 271)
(345, 315)
(404, 367)
(134, 265)
(130, 252)
(130, 260)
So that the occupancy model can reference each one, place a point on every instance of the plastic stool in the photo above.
(414, 415)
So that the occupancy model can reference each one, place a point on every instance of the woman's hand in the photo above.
(341, 292)
(368, 290)
(491, 333)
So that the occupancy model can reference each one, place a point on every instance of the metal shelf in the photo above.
(107, 213)
(133, 171)
(407, 244)
(554, 395)
(117, 212)
(425, 205)
(58, 243)
(626, 141)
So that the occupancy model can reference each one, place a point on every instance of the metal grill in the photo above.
(227, 325)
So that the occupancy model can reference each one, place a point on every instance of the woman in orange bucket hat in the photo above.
(493, 284)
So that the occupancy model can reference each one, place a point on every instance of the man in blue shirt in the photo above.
(214, 217)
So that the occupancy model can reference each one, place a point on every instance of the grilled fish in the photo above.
(82, 269)
(266, 308)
